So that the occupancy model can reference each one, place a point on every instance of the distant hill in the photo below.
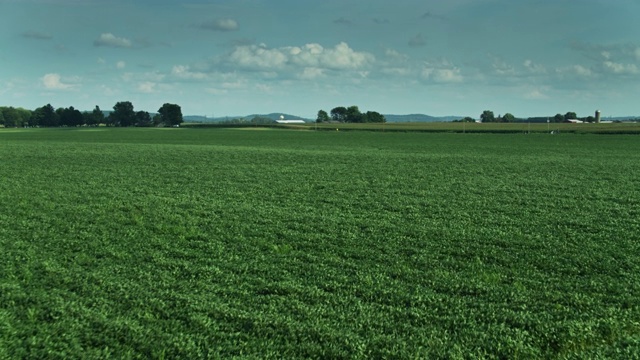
(276, 116)
(273, 116)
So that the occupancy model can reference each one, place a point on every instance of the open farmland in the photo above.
(205, 243)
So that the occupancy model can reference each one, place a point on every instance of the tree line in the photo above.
(488, 116)
(123, 114)
(350, 114)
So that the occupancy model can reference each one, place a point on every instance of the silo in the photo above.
(597, 116)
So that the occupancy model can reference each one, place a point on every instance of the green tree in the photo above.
(143, 119)
(96, 117)
(339, 113)
(10, 116)
(44, 116)
(1, 115)
(374, 117)
(322, 116)
(71, 117)
(570, 115)
(354, 115)
(558, 118)
(487, 116)
(15, 117)
(508, 117)
(123, 114)
(170, 114)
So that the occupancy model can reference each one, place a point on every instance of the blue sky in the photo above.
(225, 58)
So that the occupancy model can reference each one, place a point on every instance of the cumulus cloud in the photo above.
(54, 82)
(311, 73)
(36, 35)
(121, 65)
(535, 94)
(258, 57)
(581, 70)
(220, 25)
(185, 72)
(147, 87)
(502, 68)
(110, 40)
(443, 72)
(620, 69)
(340, 57)
(533, 67)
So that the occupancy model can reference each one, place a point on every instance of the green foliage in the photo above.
(261, 120)
(122, 115)
(95, 117)
(339, 113)
(570, 115)
(322, 116)
(170, 114)
(224, 243)
(352, 114)
(508, 117)
(143, 119)
(558, 118)
(14, 117)
(71, 117)
(487, 116)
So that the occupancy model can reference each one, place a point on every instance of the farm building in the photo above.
(280, 121)
(283, 121)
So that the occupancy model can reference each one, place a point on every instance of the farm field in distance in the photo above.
(217, 243)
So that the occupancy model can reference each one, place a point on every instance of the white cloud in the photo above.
(343, 57)
(184, 72)
(618, 68)
(311, 73)
(121, 65)
(54, 81)
(443, 72)
(220, 25)
(581, 70)
(535, 94)
(110, 40)
(101, 60)
(147, 87)
(533, 67)
(395, 55)
(263, 88)
(260, 57)
(502, 68)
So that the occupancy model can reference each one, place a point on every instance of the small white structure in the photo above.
(283, 121)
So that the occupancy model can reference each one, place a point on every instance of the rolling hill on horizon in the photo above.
(276, 116)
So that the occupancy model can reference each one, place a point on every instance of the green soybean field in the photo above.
(238, 243)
